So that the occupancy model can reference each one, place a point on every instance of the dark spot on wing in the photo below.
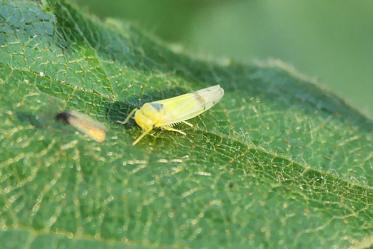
(64, 117)
(157, 106)
(200, 99)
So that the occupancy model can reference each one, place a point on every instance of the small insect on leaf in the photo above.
(166, 113)
(84, 124)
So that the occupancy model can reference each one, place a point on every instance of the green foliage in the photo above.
(330, 40)
(279, 163)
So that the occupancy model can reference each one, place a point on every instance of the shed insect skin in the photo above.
(84, 124)
(166, 113)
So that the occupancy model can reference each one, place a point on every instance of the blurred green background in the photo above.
(331, 41)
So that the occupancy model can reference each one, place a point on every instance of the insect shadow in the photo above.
(118, 111)
(30, 118)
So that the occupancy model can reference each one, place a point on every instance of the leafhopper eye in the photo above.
(157, 106)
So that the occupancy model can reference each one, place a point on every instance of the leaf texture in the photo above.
(278, 163)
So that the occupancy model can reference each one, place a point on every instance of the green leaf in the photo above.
(278, 163)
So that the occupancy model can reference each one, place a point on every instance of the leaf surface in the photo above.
(278, 163)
